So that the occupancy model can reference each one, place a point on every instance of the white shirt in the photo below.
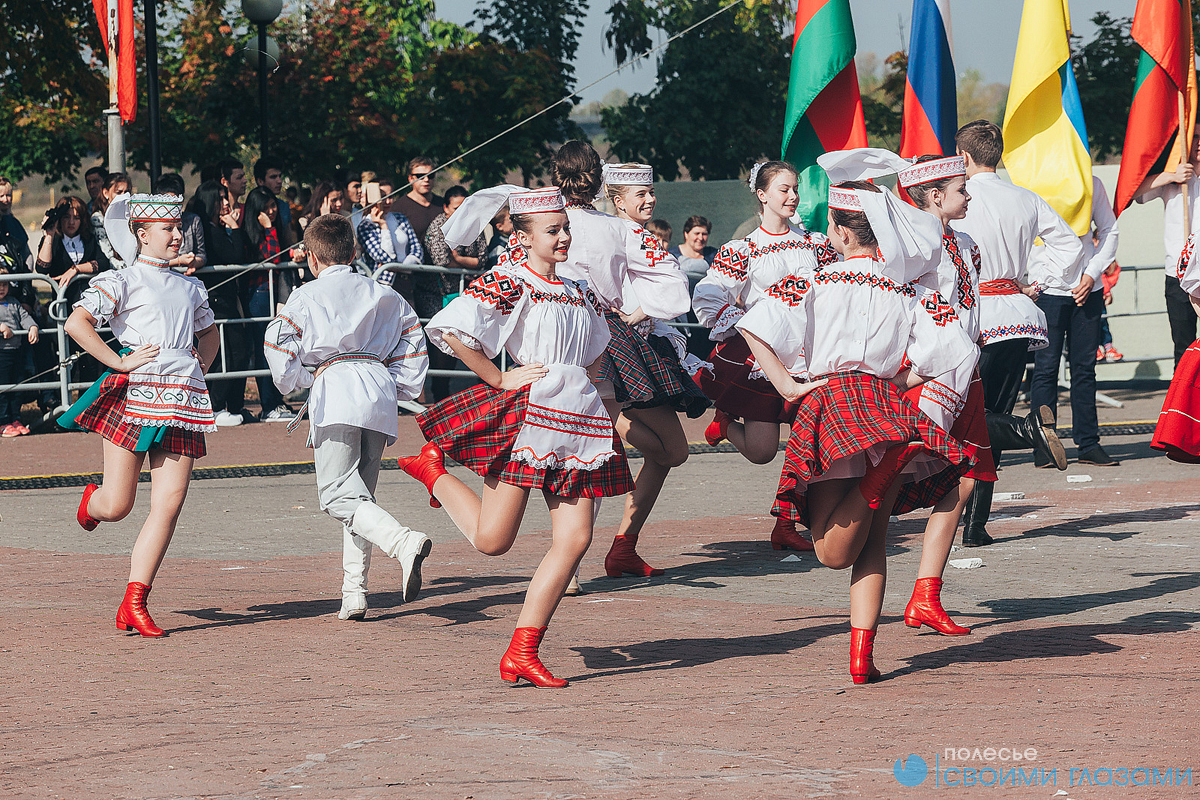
(1174, 235)
(344, 312)
(744, 269)
(147, 303)
(606, 250)
(557, 323)
(1096, 258)
(74, 247)
(850, 317)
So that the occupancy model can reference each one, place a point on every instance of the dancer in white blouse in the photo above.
(152, 399)
(741, 272)
(1178, 432)
(366, 346)
(539, 426)
(844, 343)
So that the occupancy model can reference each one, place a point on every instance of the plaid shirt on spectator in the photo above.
(404, 238)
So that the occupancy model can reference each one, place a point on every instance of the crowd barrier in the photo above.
(61, 384)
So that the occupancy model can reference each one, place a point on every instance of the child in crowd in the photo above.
(661, 229)
(13, 318)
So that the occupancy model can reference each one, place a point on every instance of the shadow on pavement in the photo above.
(1058, 641)
(1025, 608)
(1089, 526)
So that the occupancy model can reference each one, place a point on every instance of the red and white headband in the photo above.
(933, 170)
(536, 201)
(632, 175)
(844, 199)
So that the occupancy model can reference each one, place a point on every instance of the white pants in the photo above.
(347, 464)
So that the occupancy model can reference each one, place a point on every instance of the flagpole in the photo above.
(116, 135)
(1185, 155)
(152, 93)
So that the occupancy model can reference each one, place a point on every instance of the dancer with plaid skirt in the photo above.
(741, 272)
(538, 426)
(1178, 430)
(152, 399)
(844, 345)
(643, 388)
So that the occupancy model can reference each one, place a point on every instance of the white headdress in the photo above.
(754, 174)
(126, 208)
(634, 175)
(935, 169)
(477, 211)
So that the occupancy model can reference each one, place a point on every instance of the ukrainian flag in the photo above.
(1045, 141)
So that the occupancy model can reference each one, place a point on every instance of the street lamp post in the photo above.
(262, 13)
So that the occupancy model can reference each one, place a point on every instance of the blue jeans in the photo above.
(262, 305)
(1080, 327)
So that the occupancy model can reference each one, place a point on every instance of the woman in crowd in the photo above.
(695, 257)
(260, 220)
(117, 183)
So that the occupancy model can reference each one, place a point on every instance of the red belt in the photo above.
(1002, 286)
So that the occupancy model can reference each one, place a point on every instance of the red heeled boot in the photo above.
(718, 429)
(427, 467)
(622, 558)
(521, 660)
(86, 520)
(926, 607)
(862, 666)
(785, 537)
(879, 478)
(132, 615)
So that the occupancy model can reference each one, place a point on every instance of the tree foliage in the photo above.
(1105, 69)
(719, 101)
(883, 100)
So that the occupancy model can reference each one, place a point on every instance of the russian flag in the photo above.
(930, 101)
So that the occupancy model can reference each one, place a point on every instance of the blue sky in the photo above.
(985, 35)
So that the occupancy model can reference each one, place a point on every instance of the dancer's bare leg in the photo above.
(114, 499)
(840, 520)
(170, 475)
(757, 441)
(868, 578)
(491, 522)
(657, 433)
(940, 530)
(571, 533)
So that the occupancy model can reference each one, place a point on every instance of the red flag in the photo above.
(1166, 69)
(126, 59)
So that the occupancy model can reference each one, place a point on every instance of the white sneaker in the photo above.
(354, 607)
(224, 419)
(279, 414)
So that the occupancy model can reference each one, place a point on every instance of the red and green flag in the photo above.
(824, 108)
(1166, 73)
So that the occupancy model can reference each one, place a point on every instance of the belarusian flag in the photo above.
(824, 108)
(116, 18)
(1163, 29)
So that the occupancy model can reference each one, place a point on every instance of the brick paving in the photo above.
(724, 678)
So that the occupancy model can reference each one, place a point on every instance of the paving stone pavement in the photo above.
(727, 677)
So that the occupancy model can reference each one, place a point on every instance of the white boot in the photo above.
(356, 560)
(407, 546)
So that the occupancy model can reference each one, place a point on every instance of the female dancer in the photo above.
(539, 426)
(853, 435)
(1177, 433)
(152, 399)
(641, 390)
(741, 272)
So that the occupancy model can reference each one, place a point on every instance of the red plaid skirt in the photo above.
(849, 415)
(970, 429)
(477, 428)
(647, 374)
(733, 391)
(105, 417)
(1178, 430)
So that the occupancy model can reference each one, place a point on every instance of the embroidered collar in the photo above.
(150, 261)
(554, 281)
(581, 206)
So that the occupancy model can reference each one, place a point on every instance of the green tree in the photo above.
(719, 101)
(883, 101)
(979, 100)
(52, 89)
(1105, 69)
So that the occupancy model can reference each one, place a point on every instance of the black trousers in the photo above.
(229, 394)
(1181, 317)
(1080, 327)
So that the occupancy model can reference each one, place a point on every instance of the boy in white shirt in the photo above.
(369, 352)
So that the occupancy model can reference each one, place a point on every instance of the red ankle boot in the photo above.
(86, 520)
(133, 614)
(521, 660)
(862, 666)
(622, 558)
(879, 478)
(718, 429)
(926, 607)
(427, 467)
(785, 537)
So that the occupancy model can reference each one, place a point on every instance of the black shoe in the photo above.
(1046, 445)
(975, 515)
(1097, 457)
(976, 537)
(1042, 461)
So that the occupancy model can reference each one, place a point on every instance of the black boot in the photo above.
(975, 515)
(1032, 432)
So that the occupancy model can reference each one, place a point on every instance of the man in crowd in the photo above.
(421, 206)
(268, 173)
(233, 178)
(94, 180)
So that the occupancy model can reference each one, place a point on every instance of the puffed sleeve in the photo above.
(203, 316)
(937, 342)
(654, 275)
(482, 317)
(409, 360)
(104, 297)
(283, 345)
(782, 320)
(716, 298)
